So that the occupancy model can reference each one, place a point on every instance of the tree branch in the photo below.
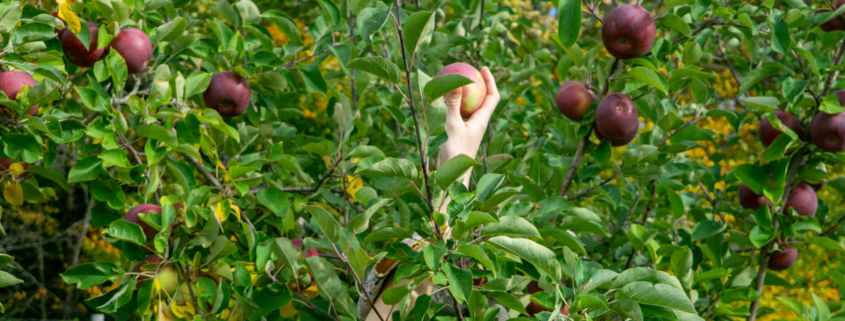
(210, 177)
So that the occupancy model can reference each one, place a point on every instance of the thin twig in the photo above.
(832, 76)
(210, 177)
(420, 147)
(576, 160)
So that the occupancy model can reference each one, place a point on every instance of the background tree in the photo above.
(262, 159)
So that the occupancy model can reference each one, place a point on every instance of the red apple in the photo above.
(803, 200)
(135, 47)
(574, 100)
(828, 130)
(132, 216)
(782, 260)
(628, 31)
(749, 199)
(11, 82)
(76, 52)
(228, 94)
(472, 95)
(616, 119)
(768, 133)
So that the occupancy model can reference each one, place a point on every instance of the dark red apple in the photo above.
(782, 260)
(227, 93)
(472, 95)
(616, 119)
(574, 100)
(11, 82)
(803, 200)
(76, 52)
(628, 31)
(132, 216)
(749, 199)
(768, 133)
(828, 130)
(135, 47)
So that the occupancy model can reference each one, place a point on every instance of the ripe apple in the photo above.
(135, 47)
(828, 130)
(11, 82)
(768, 133)
(132, 216)
(803, 200)
(472, 95)
(168, 278)
(616, 119)
(749, 199)
(628, 31)
(574, 99)
(227, 93)
(782, 260)
(76, 52)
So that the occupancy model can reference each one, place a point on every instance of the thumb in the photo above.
(453, 101)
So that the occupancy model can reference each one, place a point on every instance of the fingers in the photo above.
(482, 116)
(453, 110)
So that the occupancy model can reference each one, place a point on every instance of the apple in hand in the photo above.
(76, 52)
(472, 95)
(132, 216)
(11, 83)
(628, 31)
(135, 47)
(616, 119)
(228, 94)
(574, 100)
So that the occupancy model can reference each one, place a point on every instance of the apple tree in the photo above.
(190, 127)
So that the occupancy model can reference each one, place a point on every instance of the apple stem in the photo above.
(420, 147)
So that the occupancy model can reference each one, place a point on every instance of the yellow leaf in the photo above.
(236, 210)
(182, 310)
(353, 184)
(311, 292)
(70, 18)
(326, 207)
(218, 211)
(288, 311)
(16, 169)
(13, 193)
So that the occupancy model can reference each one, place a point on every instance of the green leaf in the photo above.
(387, 233)
(752, 176)
(91, 274)
(507, 300)
(648, 76)
(569, 22)
(85, 170)
(678, 24)
(275, 200)
(361, 222)
(371, 20)
(393, 167)
(660, 295)
(460, 281)
(542, 258)
(328, 224)
(629, 309)
(248, 11)
(648, 275)
(441, 85)
(475, 218)
(170, 30)
(270, 299)
(379, 67)
(781, 42)
(285, 251)
(831, 105)
(418, 29)
(705, 229)
(117, 157)
(564, 238)
(331, 11)
(826, 243)
(126, 231)
(196, 83)
(640, 153)
(7, 279)
(796, 306)
(511, 226)
(454, 169)
(157, 132)
(821, 307)
(285, 24)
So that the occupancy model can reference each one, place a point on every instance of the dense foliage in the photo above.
(269, 159)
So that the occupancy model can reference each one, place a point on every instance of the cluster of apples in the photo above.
(627, 32)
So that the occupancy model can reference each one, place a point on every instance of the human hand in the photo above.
(465, 136)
